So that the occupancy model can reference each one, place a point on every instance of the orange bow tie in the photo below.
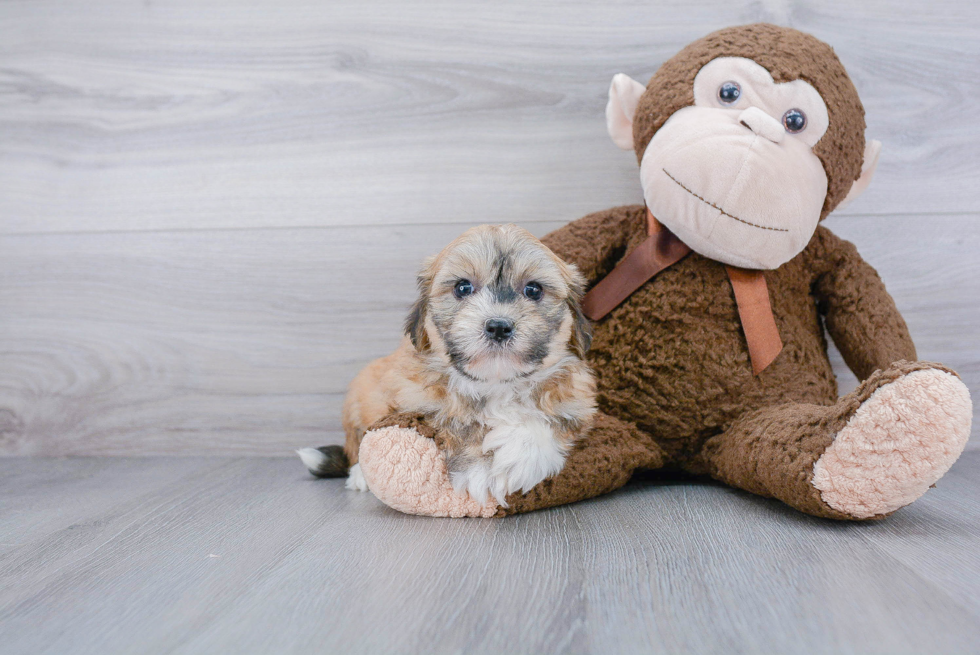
(661, 250)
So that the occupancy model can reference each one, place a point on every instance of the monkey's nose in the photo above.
(499, 329)
(762, 124)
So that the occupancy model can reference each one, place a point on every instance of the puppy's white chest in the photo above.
(520, 445)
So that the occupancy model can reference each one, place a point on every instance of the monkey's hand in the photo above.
(860, 315)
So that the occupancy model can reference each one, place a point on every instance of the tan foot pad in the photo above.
(896, 445)
(407, 472)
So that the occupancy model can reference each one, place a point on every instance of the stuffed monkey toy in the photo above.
(712, 301)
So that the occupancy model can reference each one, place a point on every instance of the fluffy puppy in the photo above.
(493, 357)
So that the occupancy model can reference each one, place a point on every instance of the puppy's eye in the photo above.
(462, 289)
(532, 291)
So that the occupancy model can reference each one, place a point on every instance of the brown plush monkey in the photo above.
(712, 303)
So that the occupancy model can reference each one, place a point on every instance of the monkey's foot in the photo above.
(898, 443)
(407, 472)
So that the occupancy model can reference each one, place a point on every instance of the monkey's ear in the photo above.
(624, 95)
(872, 150)
(415, 323)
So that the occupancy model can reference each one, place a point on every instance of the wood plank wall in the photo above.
(211, 212)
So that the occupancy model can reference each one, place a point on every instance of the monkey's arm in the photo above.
(596, 243)
(860, 315)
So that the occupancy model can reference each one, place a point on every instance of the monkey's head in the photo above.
(747, 138)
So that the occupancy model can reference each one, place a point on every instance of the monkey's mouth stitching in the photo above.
(708, 202)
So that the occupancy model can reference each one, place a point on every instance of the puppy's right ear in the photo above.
(415, 323)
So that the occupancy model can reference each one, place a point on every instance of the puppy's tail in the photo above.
(326, 461)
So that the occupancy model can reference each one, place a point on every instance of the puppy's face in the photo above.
(497, 304)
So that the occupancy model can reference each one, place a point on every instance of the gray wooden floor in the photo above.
(246, 555)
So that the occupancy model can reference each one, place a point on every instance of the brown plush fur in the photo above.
(673, 358)
(771, 452)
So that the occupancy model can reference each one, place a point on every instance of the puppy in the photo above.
(493, 357)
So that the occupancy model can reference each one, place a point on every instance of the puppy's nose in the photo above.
(499, 329)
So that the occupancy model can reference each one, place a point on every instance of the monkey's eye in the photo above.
(462, 289)
(532, 291)
(794, 121)
(729, 93)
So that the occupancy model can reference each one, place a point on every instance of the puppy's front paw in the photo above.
(523, 456)
(477, 480)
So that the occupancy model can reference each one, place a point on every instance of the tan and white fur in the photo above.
(493, 357)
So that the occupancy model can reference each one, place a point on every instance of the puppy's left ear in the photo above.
(415, 323)
(581, 338)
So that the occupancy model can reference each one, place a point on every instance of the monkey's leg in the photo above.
(404, 468)
(603, 461)
(877, 449)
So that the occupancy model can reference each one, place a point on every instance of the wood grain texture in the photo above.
(244, 341)
(216, 555)
(211, 215)
(165, 115)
